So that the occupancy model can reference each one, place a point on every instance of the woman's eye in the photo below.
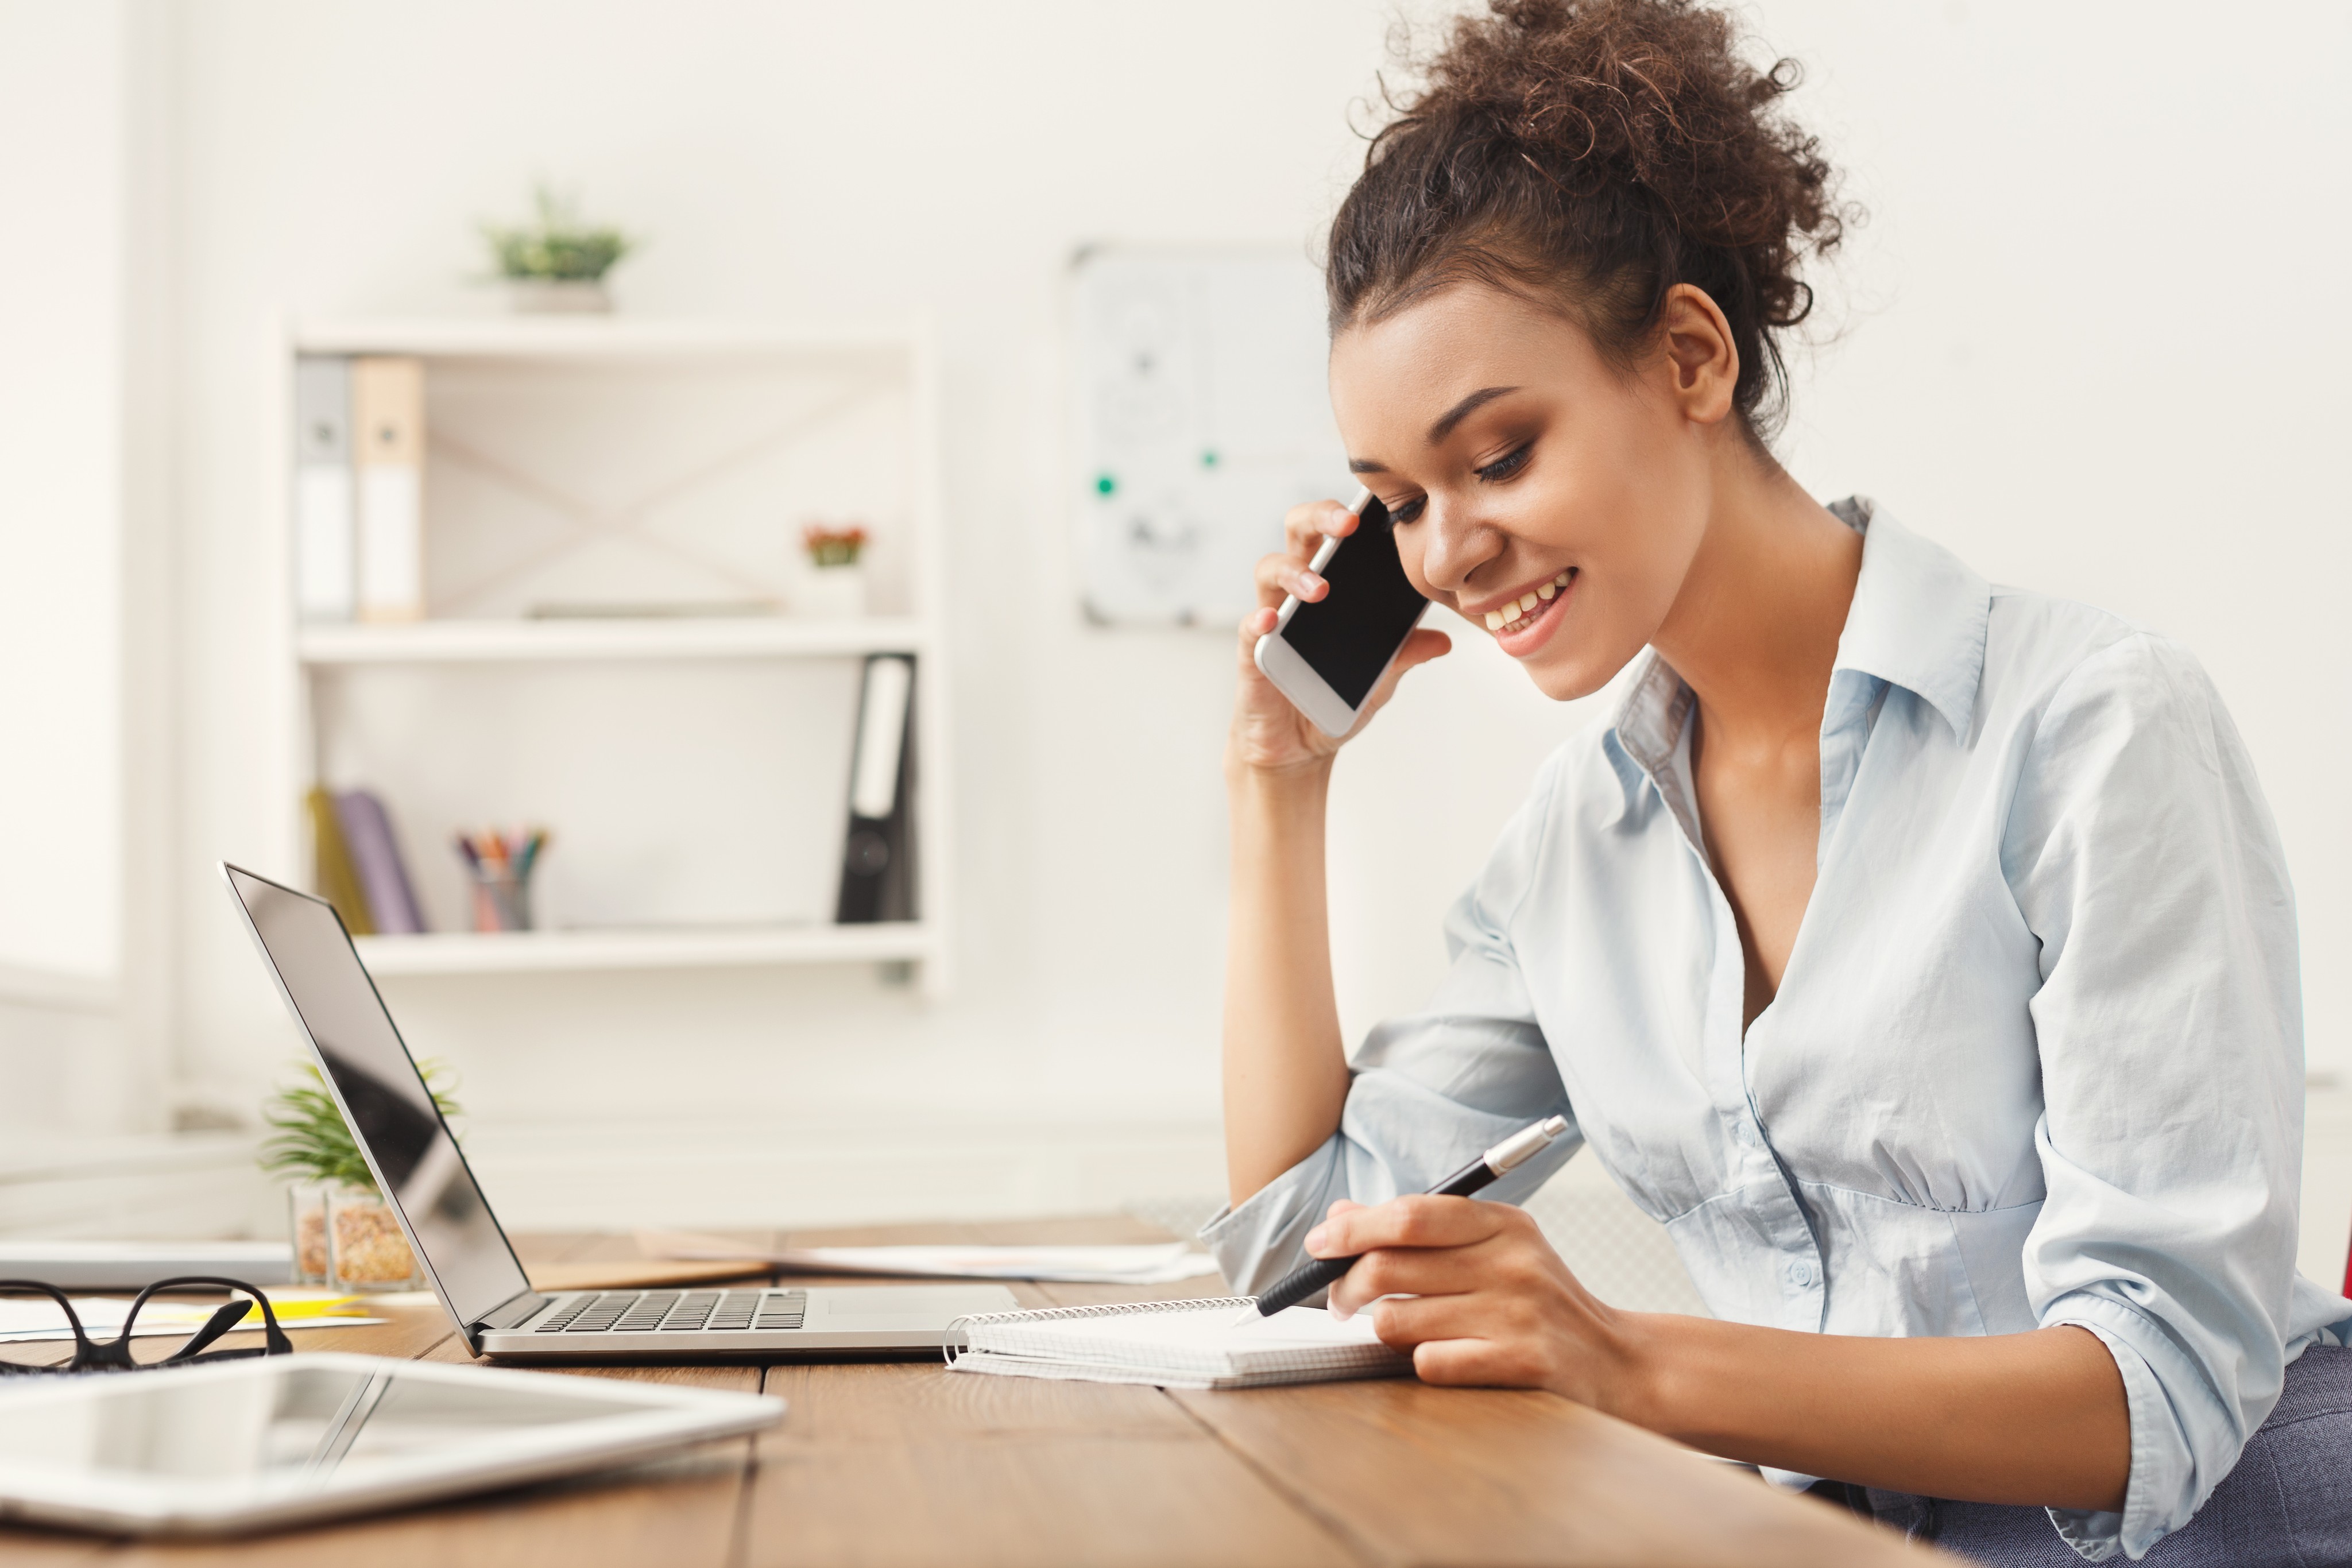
(1502, 468)
(1406, 511)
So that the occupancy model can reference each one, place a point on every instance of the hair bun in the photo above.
(1603, 151)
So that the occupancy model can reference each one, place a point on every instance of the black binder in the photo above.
(877, 859)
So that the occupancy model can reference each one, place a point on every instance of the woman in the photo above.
(1921, 953)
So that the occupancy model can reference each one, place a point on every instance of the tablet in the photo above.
(254, 1445)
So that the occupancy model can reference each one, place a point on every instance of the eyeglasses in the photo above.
(20, 1356)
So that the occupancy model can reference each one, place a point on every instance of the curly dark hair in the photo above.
(1593, 154)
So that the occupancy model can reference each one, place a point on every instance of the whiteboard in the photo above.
(1200, 417)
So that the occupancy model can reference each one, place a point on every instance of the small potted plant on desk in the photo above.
(344, 1234)
(556, 266)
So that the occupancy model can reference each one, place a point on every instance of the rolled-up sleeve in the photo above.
(2169, 1027)
(1429, 1091)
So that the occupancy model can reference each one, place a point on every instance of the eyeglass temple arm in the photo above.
(219, 1323)
(118, 1353)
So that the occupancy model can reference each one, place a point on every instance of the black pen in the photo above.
(1308, 1278)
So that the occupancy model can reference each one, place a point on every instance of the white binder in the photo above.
(326, 582)
(388, 457)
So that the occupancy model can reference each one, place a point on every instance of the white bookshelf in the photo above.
(468, 953)
(693, 768)
(493, 642)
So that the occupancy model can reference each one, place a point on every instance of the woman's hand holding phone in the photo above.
(1285, 1065)
(1269, 734)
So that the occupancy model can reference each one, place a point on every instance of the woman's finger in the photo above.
(1472, 1362)
(1278, 575)
(1422, 645)
(1408, 1271)
(1408, 1320)
(1420, 1220)
(1305, 526)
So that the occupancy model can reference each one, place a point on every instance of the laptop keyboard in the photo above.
(671, 1312)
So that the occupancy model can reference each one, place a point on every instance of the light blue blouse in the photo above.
(2036, 1058)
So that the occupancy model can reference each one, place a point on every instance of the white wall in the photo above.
(61, 289)
(85, 545)
(2075, 354)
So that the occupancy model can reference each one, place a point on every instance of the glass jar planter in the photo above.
(306, 1230)
(366, 1249)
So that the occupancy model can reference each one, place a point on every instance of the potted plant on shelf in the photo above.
(557, 264)
(344, 1233)
(833, 586)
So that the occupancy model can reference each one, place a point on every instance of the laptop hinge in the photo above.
(508, 1314)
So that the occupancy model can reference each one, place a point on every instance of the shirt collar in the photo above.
(1918, 617)
(1917, 620)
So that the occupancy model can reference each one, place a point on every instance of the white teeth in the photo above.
(1520, 609)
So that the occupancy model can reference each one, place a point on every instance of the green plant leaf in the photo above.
(310, 1137)
(558, 247)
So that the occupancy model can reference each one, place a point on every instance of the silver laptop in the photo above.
(466, 1254)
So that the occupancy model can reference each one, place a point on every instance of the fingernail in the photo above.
(1315, 1238)
(1309, 582)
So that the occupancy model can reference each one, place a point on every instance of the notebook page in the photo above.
(1211, 1346)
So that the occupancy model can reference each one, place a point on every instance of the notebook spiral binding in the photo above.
(1104, 1310)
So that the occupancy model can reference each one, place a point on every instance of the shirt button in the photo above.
(1801, 1272)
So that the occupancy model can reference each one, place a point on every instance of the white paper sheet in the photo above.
(27, 1319)
(1146, 1265)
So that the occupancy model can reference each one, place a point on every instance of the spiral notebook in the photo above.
(1221, 1342)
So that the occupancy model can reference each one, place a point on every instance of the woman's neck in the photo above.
(1755, 629)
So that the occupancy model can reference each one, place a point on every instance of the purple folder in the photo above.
(375, 854)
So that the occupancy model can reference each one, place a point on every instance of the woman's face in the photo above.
(1547, 496)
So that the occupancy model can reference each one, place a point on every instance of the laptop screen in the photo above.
(383, 1096)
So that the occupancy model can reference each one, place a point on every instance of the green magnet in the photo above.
(1209, 458)
(1105, 484)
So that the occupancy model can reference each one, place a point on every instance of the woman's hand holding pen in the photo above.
(1269, 735)
(1479, 1296)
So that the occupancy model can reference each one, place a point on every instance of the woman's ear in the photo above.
(1701, 357)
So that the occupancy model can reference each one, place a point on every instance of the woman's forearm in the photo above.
(1285, 1067)
(2035, 1418)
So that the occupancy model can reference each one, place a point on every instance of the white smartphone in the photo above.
(1327, 657)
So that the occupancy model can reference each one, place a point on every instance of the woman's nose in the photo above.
(1453, 548)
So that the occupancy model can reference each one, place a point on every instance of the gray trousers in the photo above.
(2288, 1501)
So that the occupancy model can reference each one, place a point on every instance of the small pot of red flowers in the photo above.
(833, 585)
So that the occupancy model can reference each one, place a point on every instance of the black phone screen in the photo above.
(1349, 635)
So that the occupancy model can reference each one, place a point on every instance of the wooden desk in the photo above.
(902, 1463)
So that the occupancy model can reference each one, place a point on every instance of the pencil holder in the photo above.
(500, 865)
(501, 900)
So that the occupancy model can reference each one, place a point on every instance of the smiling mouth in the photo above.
(1516, 617)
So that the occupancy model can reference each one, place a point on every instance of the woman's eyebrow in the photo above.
(1443, 428)
(1464, 410)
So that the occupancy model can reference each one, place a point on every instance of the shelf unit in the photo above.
(770, 424)
(492, 642)
(520, 952)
